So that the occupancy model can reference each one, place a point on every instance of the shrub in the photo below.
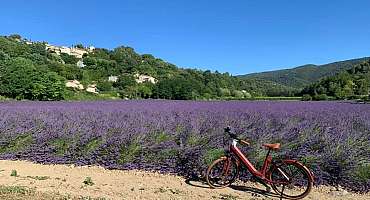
(306, 97)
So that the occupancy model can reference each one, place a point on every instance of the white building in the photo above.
(145, 78)
(113, 79)
(92, 89)
(74, 84)
(80, 64)
(76, 52)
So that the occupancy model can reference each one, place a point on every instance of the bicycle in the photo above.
(289, 178)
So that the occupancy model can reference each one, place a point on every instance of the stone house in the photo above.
(92, 89)
(74, 84)
(145, 78)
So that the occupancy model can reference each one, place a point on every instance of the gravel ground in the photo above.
(27, 180)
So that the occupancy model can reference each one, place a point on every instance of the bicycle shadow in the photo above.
(201, 183)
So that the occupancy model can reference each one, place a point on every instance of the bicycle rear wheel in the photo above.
(222, 172)
(291, 179)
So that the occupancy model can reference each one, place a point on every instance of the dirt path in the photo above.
(114, 184)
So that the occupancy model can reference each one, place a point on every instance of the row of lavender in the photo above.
(183, 137)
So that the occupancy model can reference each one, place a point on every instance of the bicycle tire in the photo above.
(229, 172)
(300, 179)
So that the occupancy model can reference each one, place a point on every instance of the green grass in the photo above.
(128, 153)
(24, 193)
(363, 172)
(61, 146)
(88, 181)
(20, 143)
(14, 173)
(92, 145)
(15, 190)
(195, 140)
(161, 137)
(212, 155)
(86, 96)
(276, 98)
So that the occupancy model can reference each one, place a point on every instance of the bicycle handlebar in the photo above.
(234, 136)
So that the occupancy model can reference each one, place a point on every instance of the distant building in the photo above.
(145, 78)
(91, 49)
(65, 50)
(76, 52)
(74, 84)
(80, 64)
(92, 89)
(113, 79)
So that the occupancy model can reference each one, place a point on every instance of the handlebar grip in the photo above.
(227, 129)
(244, 142)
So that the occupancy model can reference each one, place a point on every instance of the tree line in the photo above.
(349, 84)
(29, 71)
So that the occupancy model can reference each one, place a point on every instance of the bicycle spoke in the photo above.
(298, 182)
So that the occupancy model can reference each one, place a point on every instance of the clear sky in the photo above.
(237, 36)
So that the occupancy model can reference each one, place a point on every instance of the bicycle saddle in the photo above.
(275, 146)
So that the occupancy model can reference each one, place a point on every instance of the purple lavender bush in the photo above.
(182, 137)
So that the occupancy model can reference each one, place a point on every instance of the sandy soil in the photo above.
(115, 184)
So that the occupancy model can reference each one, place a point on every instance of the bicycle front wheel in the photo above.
(222, 172)
(291, 179)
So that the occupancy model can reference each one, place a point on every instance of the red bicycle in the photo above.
(289, 178)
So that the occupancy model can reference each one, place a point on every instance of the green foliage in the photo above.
(82, 95)
(104, 86)
(303, 76)
(212, 155)
(61, 146)
(306, 97)
(129, 152)
(363, 172)
(88, 181)
(18, 144)
(22, 80)
(69, 59)
(161, 137)
(92, 145)
(124, 82)
(349, 84)
(320, 97)
(14, 173)
(15, 190)
(30, 72)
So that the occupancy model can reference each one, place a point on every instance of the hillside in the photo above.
(41, 71)
(300, 77)
(350, 83)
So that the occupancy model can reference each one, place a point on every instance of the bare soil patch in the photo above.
(70, 182)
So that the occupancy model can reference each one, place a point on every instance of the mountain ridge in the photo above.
(301, 76)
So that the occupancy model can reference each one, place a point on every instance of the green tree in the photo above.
(22, 80)
(103, 85)
(125, 81)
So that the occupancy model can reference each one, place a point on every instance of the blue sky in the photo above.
(236, 36)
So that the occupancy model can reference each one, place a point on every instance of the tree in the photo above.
(69, 59)
(125, 81)
(104, 85)
(80, 46)
(22, 80)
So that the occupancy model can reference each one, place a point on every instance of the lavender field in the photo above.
(182, 137)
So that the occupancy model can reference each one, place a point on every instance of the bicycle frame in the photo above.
(262, 174)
